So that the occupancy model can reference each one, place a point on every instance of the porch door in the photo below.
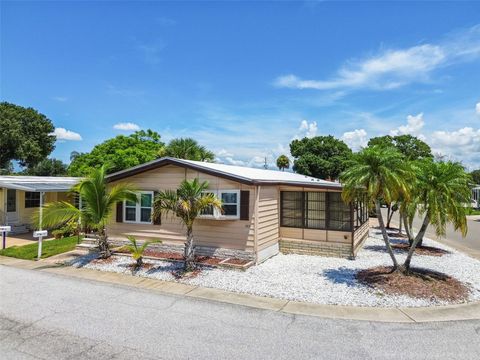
(12, 206)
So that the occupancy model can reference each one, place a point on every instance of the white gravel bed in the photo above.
(315, 279)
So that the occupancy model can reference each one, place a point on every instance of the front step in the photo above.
(88, 247)
(19, 229)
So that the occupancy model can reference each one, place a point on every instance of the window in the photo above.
(140, 211)
(230, 202)
(32, 199)
(230, 205)
(292, 208)
(360, 214)
(314, 210)
(339, 213)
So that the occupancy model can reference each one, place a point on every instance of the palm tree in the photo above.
(442, 191)
(381, 174)
(283, 162)
(187, 203)
(188, 149)
(137, 250)
(98, 202)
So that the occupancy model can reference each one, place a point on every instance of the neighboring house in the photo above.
(20, 197)
(476, 197)
(264, 211)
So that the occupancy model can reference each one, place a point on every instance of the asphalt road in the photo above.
(469, 244)
(48, 316)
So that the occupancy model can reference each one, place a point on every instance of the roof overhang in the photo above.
(30, 185)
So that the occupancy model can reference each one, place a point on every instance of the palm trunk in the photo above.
(422, 231)
(389, 215)
(385, 235)
(416, 242)
(189, 254)
(103, 245)
(400, 222)
(408, 229)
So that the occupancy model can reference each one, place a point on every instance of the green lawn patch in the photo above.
(473, 212)
(49, 248)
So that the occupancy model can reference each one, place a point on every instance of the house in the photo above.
(476, 197)
(264, 212)
(20, 196)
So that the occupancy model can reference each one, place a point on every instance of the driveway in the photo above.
(49, 316)
(469, 244)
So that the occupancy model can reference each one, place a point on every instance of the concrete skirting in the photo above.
(469, 311)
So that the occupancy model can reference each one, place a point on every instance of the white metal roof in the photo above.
(256, 174)
(38, 183)
(239, 173)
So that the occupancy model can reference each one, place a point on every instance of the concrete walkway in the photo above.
(398, 315)
(22, 239)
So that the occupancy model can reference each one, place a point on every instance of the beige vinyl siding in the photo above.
(231, 234)
(25, 214)
(268, 217)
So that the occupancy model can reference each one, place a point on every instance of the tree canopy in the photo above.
(475, 174)
(188, 149)
(410, 146)
(47, 167)
(321, 156)
(25, 135)
(119, 153)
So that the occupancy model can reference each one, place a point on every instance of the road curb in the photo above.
(470, 311)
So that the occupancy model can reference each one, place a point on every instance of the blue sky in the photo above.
(245, 78)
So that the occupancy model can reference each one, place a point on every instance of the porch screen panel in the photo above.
(315, 213)
(292, 208)
(339, 213)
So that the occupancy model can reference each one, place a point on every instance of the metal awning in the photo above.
(38, 183)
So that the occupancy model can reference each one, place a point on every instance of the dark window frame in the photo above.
(32, 199)
(345, 222)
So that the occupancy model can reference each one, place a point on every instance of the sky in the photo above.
(246, 78)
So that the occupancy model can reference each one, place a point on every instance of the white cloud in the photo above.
(393, 68)
(60, 98)
(465, 137)
(64, 134)
(356, 139)
(126, 126)
(413, 127)
(477, 108)
(307, 129)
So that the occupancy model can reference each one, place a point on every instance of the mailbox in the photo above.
(40, 233)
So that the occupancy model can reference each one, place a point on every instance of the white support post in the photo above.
(40, 238)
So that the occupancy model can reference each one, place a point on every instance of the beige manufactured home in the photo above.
(264, 212)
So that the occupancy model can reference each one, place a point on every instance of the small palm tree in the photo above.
(137, 250)
(283, 162)
(98, 202)
(382, 174)
(187, 203)
(442, 191)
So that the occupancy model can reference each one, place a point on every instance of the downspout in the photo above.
(255, 223)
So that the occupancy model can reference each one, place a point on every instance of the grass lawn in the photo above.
(474, 212)
(49, 248)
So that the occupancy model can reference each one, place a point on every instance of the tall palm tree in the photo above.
(187, 203)
(381, 174)
(283, 162)
(189, 149)
(442, 191)
(98, 202)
